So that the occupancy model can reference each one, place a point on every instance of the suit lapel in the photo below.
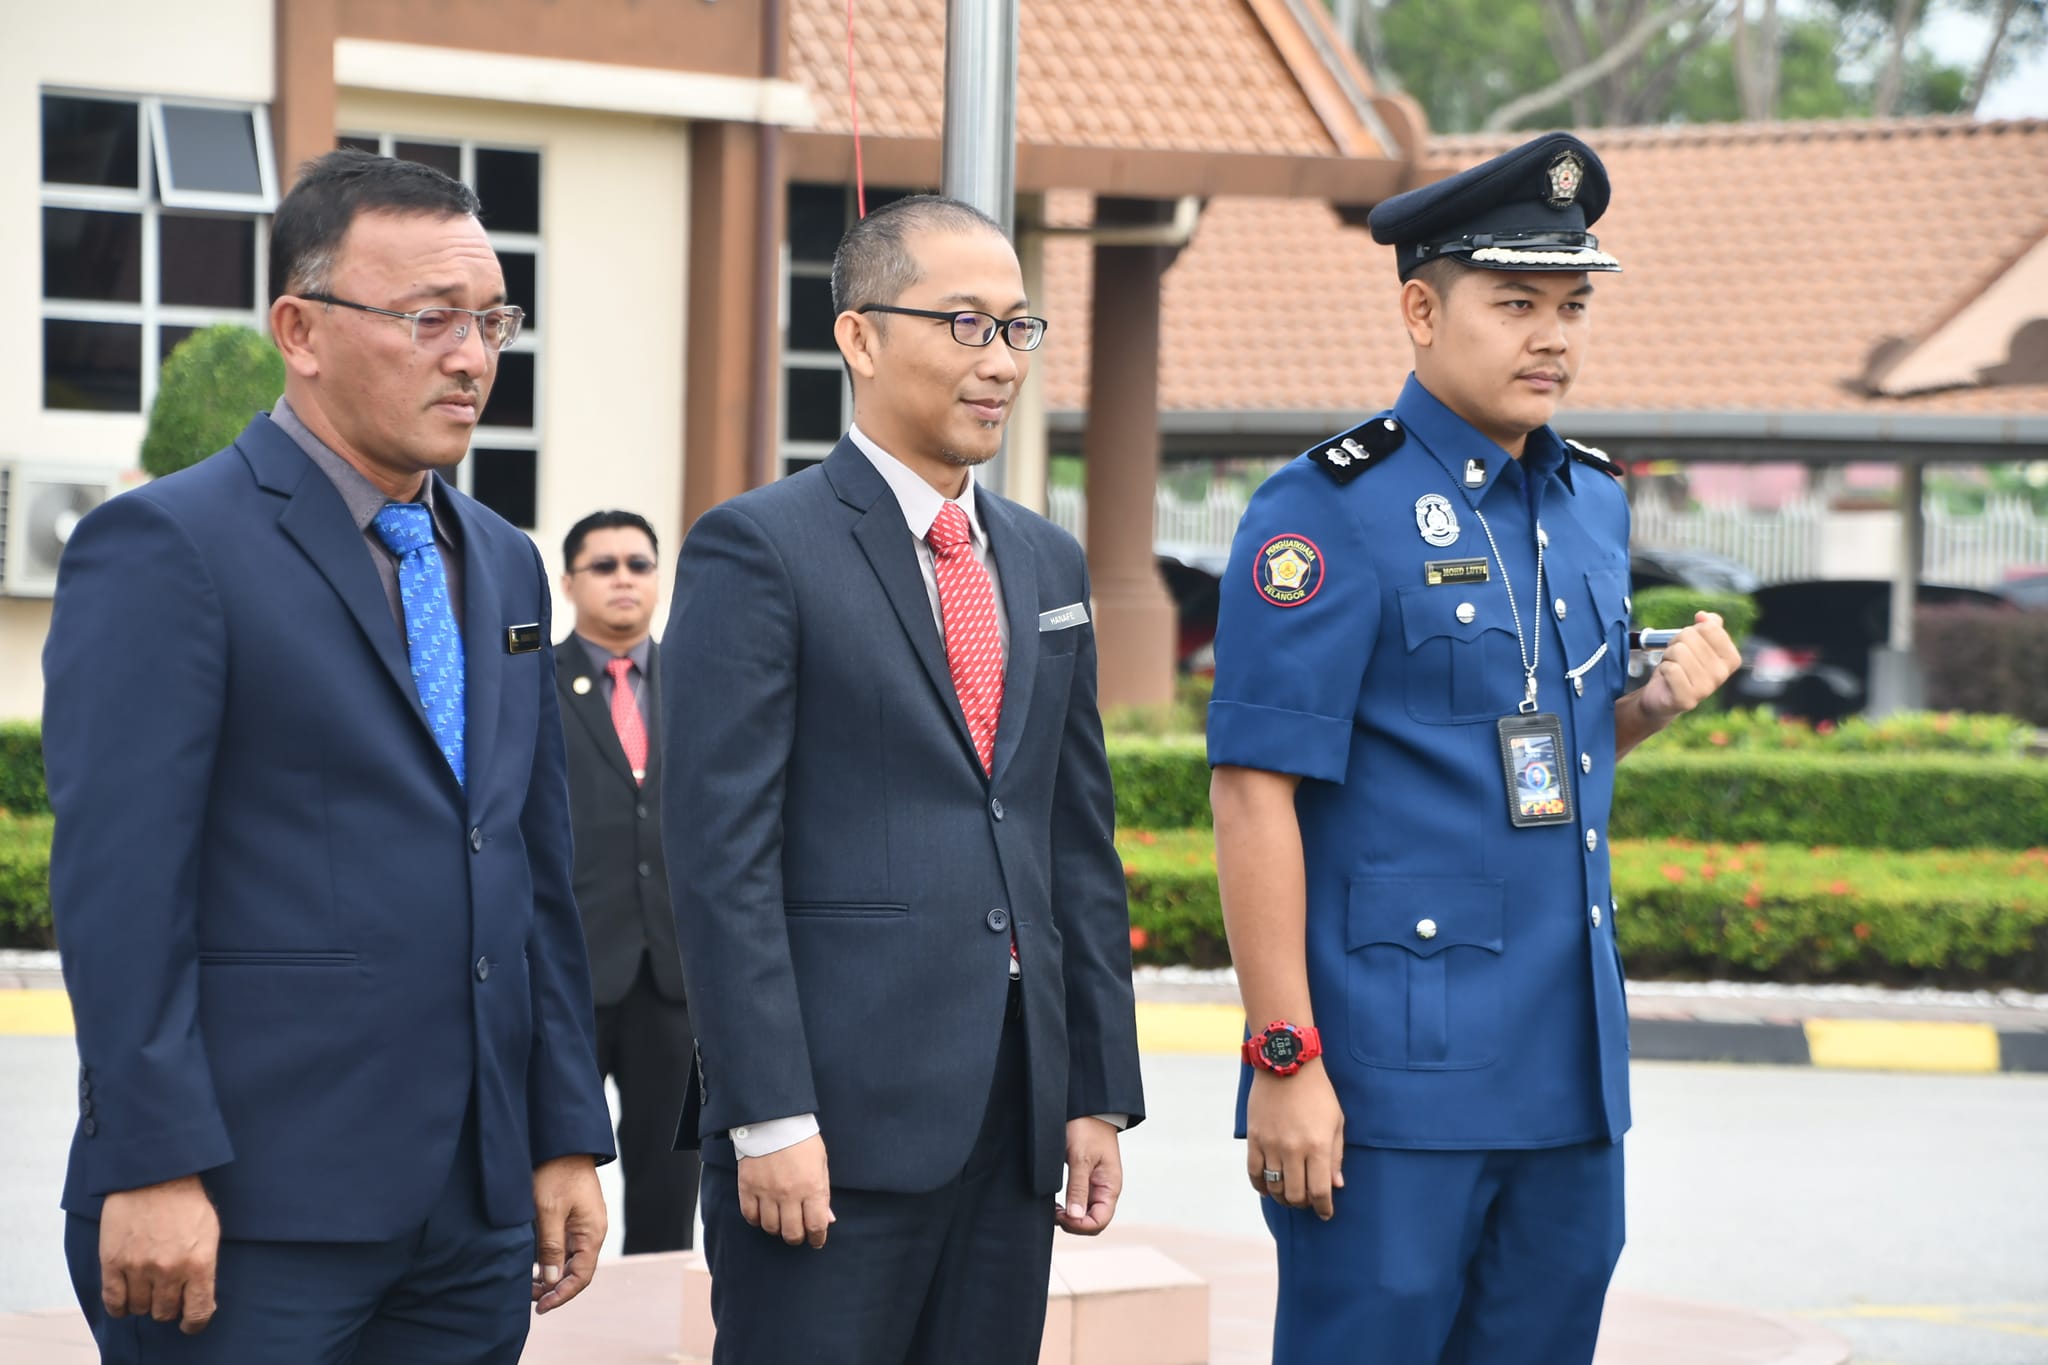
(884, 537)
(1017, 566)
(484, 644)
(594, 715)
(318, 522)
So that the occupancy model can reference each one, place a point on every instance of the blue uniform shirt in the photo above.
(1463, 971)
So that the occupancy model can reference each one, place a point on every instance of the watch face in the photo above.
(1283, 1049)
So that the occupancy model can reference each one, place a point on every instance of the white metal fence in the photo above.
(1973, 549)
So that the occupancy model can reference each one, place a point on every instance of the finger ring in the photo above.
(1272, 1177)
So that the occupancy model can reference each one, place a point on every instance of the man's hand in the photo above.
(568, 1228)
(1294, 1125)
(1693, 669)
(159, 1246)
(1095, 1177)
(788, 1194)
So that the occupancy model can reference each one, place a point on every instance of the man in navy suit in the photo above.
(903, 923)
(337, 1096)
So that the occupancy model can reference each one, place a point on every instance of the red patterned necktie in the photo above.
(974, 644)
(626, 718)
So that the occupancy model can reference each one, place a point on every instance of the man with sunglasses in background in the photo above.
(337, 1095)
(902, 919)
(610, 686)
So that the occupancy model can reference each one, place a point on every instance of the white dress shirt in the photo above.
(920, 503)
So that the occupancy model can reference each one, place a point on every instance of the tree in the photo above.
(2017, 27)
(213, 383)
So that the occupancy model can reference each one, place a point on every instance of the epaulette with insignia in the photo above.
(1358, 449)
(1585, 454)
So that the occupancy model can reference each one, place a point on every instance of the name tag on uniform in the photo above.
(1063, 617)
(523, 639)
(1437, 572)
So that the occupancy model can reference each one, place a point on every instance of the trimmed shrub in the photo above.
(25, 882)
(1161, 782)
(1673, 609)
(213, 383)
(1756, 729)
(1985, 659)
(21, 769)
(1757, 911)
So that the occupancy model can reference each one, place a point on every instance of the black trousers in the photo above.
(953, 1277)
(643, 1043)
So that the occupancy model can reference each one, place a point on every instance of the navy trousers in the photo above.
(1452, 1258)
(953, 1276)
(456, 1291)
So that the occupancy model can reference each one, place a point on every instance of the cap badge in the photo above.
(1436, 520)
(1567, 172)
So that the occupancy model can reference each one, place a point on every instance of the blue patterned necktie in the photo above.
(431, 635)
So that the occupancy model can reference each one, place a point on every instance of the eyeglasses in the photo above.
(977, 329)
(444, 329)
(609, 565)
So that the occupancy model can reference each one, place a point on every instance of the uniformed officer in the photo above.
(1420, 659)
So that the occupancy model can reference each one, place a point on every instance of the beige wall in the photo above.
(614, 219)
(219, 50)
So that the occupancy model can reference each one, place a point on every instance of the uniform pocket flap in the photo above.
(1425, 915)
(1428, 612)
(1611, 594)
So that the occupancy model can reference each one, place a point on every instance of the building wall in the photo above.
(614, 229)
(221, 50)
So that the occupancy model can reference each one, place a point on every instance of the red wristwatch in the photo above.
(1283, 1047)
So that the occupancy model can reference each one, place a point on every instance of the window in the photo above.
(817, 401)
(155, 224)
(503, 468)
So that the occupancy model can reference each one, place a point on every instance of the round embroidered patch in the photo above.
(1288, 570)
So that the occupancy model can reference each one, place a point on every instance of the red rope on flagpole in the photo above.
(860, 187)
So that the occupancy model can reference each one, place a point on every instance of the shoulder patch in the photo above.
(1357, 450)
(1586, 454)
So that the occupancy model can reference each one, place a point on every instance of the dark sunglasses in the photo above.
(609, 565)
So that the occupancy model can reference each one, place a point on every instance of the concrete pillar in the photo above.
(302, 107)
(1026, 451)
(720, 401)
(1897, 682)
(1135, 625)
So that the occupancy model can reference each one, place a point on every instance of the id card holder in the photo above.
(1539, 787)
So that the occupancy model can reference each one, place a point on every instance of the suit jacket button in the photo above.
(641, 810)
(84, 1087)
(646, 870)
(483, 969)
(998, 920)
(88, 1126)
(85, 1108)
(476, 840)
(995, 808)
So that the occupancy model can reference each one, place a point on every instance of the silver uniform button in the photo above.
(1579, 686)
(1596, 917)
(1585, 763)
(1543, 537)
(1467, 613)
(1425, 929)
(1560, 608)
(1628, 603)
(1592, 840)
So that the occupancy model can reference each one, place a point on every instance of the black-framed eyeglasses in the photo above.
(976, 329)
(640, 565)
(444, 329)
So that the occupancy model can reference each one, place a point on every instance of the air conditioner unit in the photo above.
(40, 505)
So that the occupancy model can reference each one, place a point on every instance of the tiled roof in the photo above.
(1765, 263)
(1189, 75)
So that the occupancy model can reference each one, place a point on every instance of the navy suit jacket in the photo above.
(848, 877)
(297, 949)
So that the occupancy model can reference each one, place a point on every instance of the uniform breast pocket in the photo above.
(1424, 972)
(1462, 663)
(1598, 641)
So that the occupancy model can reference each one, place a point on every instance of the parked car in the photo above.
(2029, 592)
(1683, 568)
(1810, 654)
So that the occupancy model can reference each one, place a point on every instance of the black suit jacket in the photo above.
(621, 873)
(854, 877)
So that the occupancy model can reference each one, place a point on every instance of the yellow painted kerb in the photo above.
(44, 1014)
(1902, 1045)
(1216, 1030)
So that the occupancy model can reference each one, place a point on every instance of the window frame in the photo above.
(264, 201)
(151, 314)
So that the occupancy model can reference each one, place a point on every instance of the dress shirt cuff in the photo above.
(1116, 1121)
(763, 1139)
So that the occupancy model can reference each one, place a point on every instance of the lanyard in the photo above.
(1530, 657)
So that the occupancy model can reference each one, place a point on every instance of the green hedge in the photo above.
(21, 768)
(1903, 801)
(1756, 911)
(1757, 729)
(25, 882)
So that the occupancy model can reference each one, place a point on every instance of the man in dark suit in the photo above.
(312, 876)
(610, 684)
(903, 924)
